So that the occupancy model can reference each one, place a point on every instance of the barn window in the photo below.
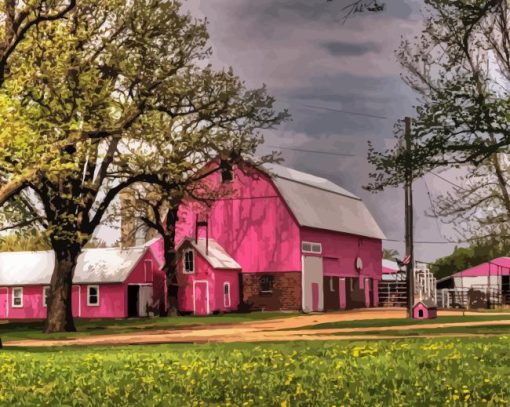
(226, 295)
(46, 294)
(266, 284)
(189, 261)
(17, 297)
(310, 247)
(227, 175)
(93, 295)
(331, 284)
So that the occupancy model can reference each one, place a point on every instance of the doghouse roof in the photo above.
(110, 265)
(319, 203)
(427, 303)
(216, 255)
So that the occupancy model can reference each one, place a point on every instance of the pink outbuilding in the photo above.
(108, 283)
(281, 239)
(482, 286)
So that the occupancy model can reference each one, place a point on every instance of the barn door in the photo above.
(312, 284)
(76, 301)
(342, 294)
(3, 302)
(200, 298)
(315, 297)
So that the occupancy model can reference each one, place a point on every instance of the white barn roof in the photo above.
(110, 265)
(319, 203)
(216, 255)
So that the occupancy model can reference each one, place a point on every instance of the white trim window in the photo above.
(189, 261)
(311, 247)
(332, 284)
(93, 295)
(226, 295)
(17, 297)
(45, 295)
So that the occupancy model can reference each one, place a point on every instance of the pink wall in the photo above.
(203, 271)
(220, 278)
(340, 250)
(111, 303)
(253, 224)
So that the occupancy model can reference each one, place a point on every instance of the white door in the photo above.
(144, 300)
(312, 284)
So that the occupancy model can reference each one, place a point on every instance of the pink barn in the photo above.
(108, 283)
(294, 242)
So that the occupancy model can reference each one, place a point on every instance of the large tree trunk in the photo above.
(170, 255)
(60, 315)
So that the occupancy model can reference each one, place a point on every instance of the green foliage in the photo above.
(390, 254)
(32, 241)
(410, 373)
(463, 114)
(465, 257)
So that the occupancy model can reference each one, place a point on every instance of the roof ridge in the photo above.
(356, 198)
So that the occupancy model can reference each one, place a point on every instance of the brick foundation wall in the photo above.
(285, 295)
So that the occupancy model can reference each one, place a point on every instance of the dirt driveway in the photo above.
(270, 330)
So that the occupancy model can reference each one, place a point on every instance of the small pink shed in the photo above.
(208, 278)
(108, 283)
(425, 309)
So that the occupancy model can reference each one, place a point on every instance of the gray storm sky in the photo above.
(307, 56)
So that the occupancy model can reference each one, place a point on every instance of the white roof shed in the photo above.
(216, 255)
(109, 265)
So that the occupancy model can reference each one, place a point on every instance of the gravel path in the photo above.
(270, 330)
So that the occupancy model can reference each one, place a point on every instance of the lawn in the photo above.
(417, 372)
(33, 330)
(474, 330)
(373, 323)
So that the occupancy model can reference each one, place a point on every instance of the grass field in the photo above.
(33, 330)
(378, 373)
(454, 330)
(373, 323)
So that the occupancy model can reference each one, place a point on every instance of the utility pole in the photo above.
(409, 216)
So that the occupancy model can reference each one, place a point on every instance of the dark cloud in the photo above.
(340, 48)
(308, 57)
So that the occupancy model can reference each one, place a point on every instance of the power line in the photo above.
(427, 242)
(373, 116)
(433, 207)
(302, 150)
(447, 181)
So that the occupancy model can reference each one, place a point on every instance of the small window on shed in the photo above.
(266, 284)
(46, 294)
(189, 261)
(93, 295)
(310, 247)
(227, 175)
(17, 297)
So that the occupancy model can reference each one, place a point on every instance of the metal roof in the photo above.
(319, 203)
(496, 267)
(390, 266)
(110, 265)
(307, 179)
(216, 255)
